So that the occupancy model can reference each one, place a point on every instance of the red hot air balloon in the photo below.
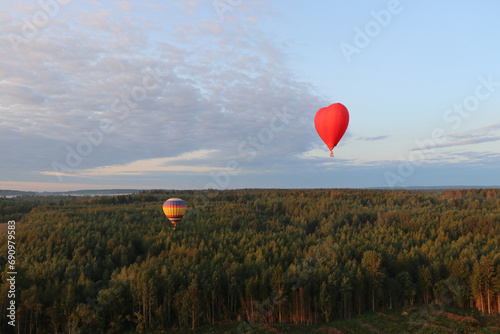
(331, 123)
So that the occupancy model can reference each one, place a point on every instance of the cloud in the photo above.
(480, 131)
(98, 20)
(125, 5)
(15, 94)
(141, 167)
(55, 186)
(476, 136)
(461, 158)
(373, 138)
(470, 141)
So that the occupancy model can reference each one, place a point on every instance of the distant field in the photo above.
(3, 227)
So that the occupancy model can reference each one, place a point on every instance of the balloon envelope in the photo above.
(174, 209)
(331, 123)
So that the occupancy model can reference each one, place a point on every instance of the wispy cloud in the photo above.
(183, 163)
(463, 157)
(481, 135)
(486, 133)
(373, 138)
(466, 142)
(56, 186)
(125, 5)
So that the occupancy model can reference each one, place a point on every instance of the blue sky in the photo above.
(222, 94)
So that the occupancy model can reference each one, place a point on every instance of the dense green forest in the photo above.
(115, 264)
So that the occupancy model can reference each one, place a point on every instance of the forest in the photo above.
(114, 264)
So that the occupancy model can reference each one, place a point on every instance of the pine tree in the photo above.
(407, 286)
(360, 289)
(476, 286)
(426, 282)
(278, 294)
(371, 262)
(488, 275)
(193, 301)
(324, 303)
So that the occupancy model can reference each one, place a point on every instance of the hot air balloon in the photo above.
(174, 209)
(331, 123)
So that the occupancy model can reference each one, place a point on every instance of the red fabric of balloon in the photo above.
(331, 123)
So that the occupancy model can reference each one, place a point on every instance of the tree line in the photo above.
(112, 264)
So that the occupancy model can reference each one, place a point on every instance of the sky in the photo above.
(199, 94)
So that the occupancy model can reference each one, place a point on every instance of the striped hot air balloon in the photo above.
(174, 209)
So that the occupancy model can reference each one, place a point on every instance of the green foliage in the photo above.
(258, 257)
